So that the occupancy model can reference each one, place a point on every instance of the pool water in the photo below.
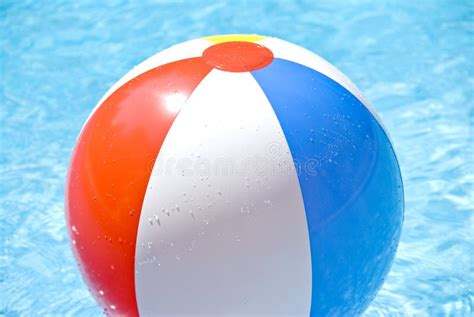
(412, 59)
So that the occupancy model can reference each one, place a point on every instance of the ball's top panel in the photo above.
(238, 56)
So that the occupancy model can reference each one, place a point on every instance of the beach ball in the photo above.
(234, 175)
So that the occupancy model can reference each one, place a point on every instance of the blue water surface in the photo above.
(412, 59)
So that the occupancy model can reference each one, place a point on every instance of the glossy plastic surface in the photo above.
(109, 172)
(348, 177)
(350, 182)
